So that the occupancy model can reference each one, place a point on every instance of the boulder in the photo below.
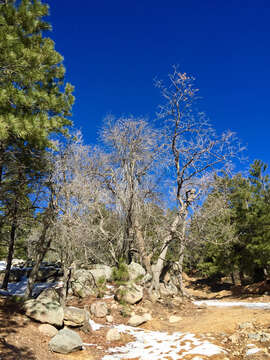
(83, 283)
(75, 317)
(101, 271)
(48, 330)
(113, 335)
(130, 293)
(49, 294)
(136, 271)
(99, 309)
(48, 273)
(137, 320)
(66, 341)
(45, 309)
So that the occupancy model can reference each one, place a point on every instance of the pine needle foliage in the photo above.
(35, 102)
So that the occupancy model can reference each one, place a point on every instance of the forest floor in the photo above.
(20, 338)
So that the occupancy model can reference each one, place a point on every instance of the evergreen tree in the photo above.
(33, 101)
(35, 104)
(246, 221)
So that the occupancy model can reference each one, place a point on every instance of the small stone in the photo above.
(174, 319)
(48, 330)
(147, 316)
(234, 338)
(99, 309)
(136, 320)
(254, 336)
(264, 337)
(109, 318)
(113, 335)
(245, 325)
(74, 316)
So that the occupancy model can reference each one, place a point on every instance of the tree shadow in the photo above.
(11, 321)
(11, 352)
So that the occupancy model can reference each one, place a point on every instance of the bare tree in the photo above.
(194, 149)
(71, 220)
(134, 155)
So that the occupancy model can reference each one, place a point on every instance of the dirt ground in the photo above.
(20, 338)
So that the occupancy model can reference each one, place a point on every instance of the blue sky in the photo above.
(114, 49)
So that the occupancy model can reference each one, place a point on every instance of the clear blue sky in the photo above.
(114, 49)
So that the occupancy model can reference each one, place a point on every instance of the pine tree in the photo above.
(35, 105)
(34, 100)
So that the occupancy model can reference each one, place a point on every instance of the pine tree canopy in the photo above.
(35, 102)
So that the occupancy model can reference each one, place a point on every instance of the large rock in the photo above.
(65, 341)
(83, 283)
(99, 309)
(130, 293)
(75, 317)
(45, 308)
(136, 271)
(49, 273)
(49, 294)
(101, 271)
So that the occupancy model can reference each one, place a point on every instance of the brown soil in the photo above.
(20, 338)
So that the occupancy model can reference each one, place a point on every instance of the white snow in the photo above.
(2, 265)
(252, 351)
(95, 326)
(158, 345)
(218, 303)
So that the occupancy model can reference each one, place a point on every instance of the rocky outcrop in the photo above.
(66, 341)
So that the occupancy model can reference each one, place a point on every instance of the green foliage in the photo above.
(125, 309)
(239, 238)
(101, 286)
(120, 273)
(34, 100)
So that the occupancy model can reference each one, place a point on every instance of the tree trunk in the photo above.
(64, 290)
(158, 267)
(40, 253)
(141, 247)
(182, 254)
(11, 245)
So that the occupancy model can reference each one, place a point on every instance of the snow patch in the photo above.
(218, 303)
(158, 345)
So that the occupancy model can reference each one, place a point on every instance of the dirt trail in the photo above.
(20, 338)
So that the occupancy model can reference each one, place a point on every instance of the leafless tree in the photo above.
(134, 156)
(75, 200)
(194, 149)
